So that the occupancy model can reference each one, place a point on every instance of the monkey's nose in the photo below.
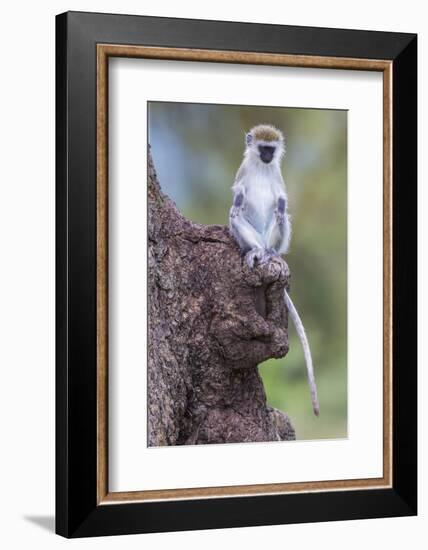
(266, 153)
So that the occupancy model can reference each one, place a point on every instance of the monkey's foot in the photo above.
(272, 252)
(257, 256)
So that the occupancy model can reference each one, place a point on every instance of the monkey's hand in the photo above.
(238, 202)
(280, 218)
(235, 211)
(280, 211)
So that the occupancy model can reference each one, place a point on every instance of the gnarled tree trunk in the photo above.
(212, 320)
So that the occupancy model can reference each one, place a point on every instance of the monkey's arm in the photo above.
(238, 200)
(279, 232)
(244, 233)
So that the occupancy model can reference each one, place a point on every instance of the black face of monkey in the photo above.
(266, 153)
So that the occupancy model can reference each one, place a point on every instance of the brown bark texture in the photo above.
(212, 320)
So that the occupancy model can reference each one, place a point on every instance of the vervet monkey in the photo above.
(259, 220)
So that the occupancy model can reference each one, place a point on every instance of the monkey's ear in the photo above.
(248, 138)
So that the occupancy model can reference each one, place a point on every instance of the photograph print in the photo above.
(247, 274)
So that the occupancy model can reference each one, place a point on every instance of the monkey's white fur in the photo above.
(259, 220)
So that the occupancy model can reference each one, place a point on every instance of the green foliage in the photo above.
(197, 150)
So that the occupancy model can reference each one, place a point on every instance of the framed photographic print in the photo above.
(236, 274)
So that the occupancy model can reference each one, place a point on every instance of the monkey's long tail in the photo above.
(306, 350)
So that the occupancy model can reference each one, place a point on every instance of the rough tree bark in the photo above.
(212, 320)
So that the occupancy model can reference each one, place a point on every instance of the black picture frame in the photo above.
(77, 511)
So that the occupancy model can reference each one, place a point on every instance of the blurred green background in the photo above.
(197, 149)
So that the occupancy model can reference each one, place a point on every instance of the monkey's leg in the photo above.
(279, 232)
(249, 240)
(247, 237)
(278, 239)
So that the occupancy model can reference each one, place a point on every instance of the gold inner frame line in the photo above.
(104, 51)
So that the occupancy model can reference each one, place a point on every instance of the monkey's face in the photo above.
(266, 153)
(265, 144)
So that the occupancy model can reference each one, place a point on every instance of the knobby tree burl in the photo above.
(212, 320)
